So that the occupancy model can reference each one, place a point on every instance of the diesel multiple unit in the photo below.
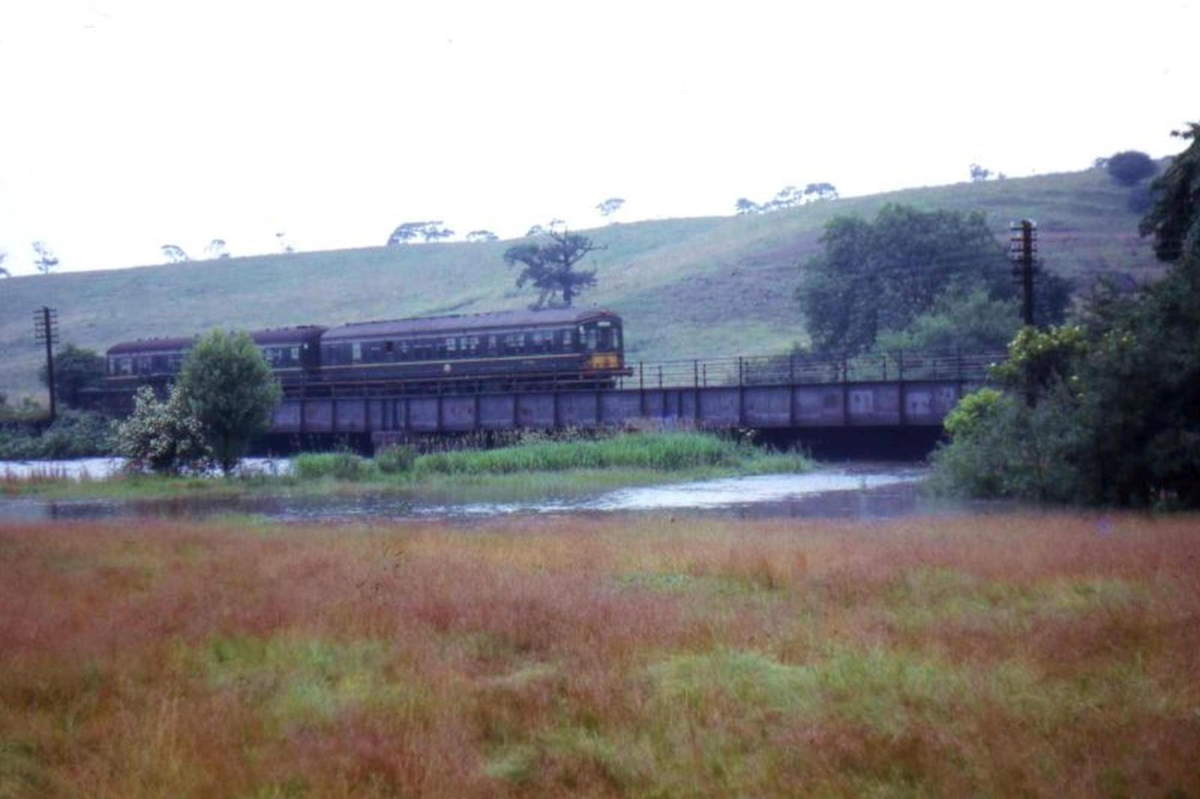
(440, 353)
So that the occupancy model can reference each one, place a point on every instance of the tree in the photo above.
(46, 260)
(228, 387)
(979, 174)
(285, 244)
(820, 191)
(549, 265)
(435, 232)
(174, 253)
(216, 249)
(745, 205)
(3, 257)
(408, 231)
(610, 206)
(1130, 168)
(476, 236)
(880, 276)
(163, 437)
(1174, 221)
(75, 369)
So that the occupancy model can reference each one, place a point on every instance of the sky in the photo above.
(131, 124)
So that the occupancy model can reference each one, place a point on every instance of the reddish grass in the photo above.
(1016, 654)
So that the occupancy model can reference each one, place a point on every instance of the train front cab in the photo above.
(601, 342)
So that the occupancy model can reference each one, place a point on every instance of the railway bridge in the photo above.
(779, 394)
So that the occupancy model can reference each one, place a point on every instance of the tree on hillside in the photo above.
(745, 205)
(285, 244)
(45, 259)
(435, 232)
(476, 236)
(3, 257)
(820, 191)
(610, 206)
(228, 386)
(174, 253)
(549, 264)
(217, 249)
(75, 369)
(1130, 168)
(880, 276)
(979, 174)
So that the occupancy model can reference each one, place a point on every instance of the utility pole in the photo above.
(45, 328)
(1022, 251)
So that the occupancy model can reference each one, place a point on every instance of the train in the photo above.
(503, 350)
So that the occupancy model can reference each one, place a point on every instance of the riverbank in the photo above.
(530, 468)
(1044, 655)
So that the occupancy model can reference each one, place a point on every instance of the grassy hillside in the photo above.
(686, 287)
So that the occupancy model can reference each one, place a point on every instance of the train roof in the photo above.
(555, 317)
(281, 335)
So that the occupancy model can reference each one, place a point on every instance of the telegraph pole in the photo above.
(45, 328)
(1022, 251)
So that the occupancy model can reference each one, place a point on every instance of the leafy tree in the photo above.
(820, 191)
(227, 385)
(476, 236)
(966, 319)
(535, 230)
(744, 206)
(877, 276)
(1174, 221)
(216, 249)
(549, 264)
(1130, 168)
(979, 174)
(163, 436)
(435, 232)
(75, 369)
(285, 244)
(46, 260)
(3, 257)
(408, 231)
(610, 206)
(174, 253)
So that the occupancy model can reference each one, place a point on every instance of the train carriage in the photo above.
(501, 349)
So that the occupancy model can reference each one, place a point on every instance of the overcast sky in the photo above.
(129, 124)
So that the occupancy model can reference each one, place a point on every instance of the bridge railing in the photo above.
(805, 369)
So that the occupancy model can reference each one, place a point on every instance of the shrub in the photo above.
(74, 434)
(395, 459)
(337, 465)
(163, 437)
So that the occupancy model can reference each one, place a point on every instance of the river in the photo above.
(849, 491)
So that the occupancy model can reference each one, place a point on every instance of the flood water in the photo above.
(853, 491)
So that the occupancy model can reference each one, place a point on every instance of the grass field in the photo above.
(687, 288)
(1007, 655)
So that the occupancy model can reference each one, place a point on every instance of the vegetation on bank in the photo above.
(534, 462)
(1105, 410)
(1042, 656)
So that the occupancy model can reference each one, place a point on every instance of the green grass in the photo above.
(687, 288)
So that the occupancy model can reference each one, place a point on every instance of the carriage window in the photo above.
(592, 339)
(492, 344)
(450, 344)
(356, 351)
(389, 347)
(295, 353)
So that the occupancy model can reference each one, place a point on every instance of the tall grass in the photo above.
(1003, 655)
(658, 452)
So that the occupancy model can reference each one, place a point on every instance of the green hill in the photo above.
(686, 287)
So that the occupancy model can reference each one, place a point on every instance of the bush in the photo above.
(395, 459)
(336, 465)
(74, 434)
(163, 437)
